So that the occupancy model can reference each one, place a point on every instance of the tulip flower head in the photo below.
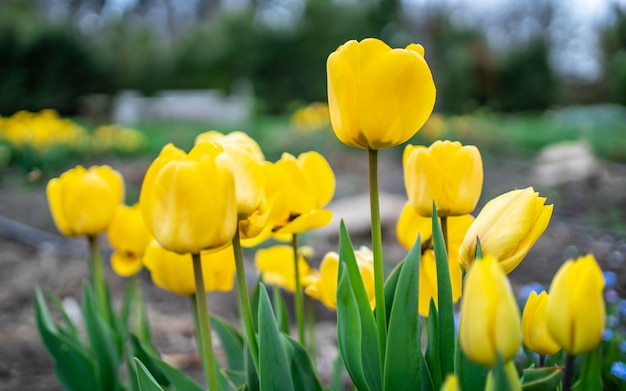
(507, 227)
(129, 236)
(378, 97)
(188, 200)
(535, 327)
(174, 272)
(83, 201)
(490, 319)
(276, 265)
(446, 172)
(323, 286)
(576, 308)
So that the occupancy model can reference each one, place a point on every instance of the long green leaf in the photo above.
(472, 376)
(432, 349)
(371, 355)
(179, 380)
(70, 328)
(445, 305)
(145, 380)
(500, 377)
(147, 354)
(541, 379)
(232, 342)
(72, 361)
(404, 353)
(274, 368)
(103, 341)
(390, 289)
(282, 316)
(302, 371)
(336, 380)
(590, 375)
(349, 329)
(252, 377)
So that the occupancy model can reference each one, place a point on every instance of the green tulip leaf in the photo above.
(282, 316)
(336, 380)
(232, 343)
(73, 363)
(472, 376)
(254, 303)
(349, 329)
(235, 379)
(302, 371)
(179, 380)
(274, 369)
(541, 379)
(70, 328)
(252, 378)
(103, 341)
(145, 380)
(500, 378)
(432, 349)
(404, 355)
(390, 288)
(370, 353)
(445, 305)
(590, 375)
(426, 381)
(147, 354)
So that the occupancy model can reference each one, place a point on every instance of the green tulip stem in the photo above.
(204, 329)
(97, 277)
(568, 373)
(309, 306)
(142, 328)
(298, 292)
(444, 230)
(244, 300)
(377, 248)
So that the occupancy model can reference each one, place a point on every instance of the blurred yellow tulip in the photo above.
(276, 265)
(446, 172)
(378, 97)
(451, 384)
(129, 236)
(534, 325)
(507, 227)
(188, 200)
(576, 309)
(323, 285)
(83, 202)
(490, 319)
(238, 138)
(174, 272)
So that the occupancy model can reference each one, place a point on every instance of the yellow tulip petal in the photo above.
(124, 264)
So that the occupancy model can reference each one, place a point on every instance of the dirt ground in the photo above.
(584, 220)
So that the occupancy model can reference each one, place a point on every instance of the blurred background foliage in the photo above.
(54, 52)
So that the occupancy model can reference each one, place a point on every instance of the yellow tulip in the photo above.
(446, 172)
(276, 265)
(576, 308)
(129, 237)
(188, 201)
(507, 227)
(323, 285)
(490, 319)
(233, 138)
(378, 97)
(534, 325)
(451, 384)
(174, 272)
(82, 202)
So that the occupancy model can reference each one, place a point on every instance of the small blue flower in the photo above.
(612, 321)
(607, 334)
(611, 296)
(618, 369)
(527, 289)
(609, 279)
(622, 308)
(622, 346)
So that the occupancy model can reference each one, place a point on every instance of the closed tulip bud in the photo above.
(490, 320)
(576, 308)
(188, 200)
(129, 237)
(323, 286)
(276, 265)
(507, 227)
(535, 326)
(174, 272)
(446, 172)
(378, 97)
(83, 201)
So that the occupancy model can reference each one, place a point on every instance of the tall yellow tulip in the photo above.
(446, 172)
(174, 272)
(490, 320)
(188, 200)
(576, 308)
(535, 326)
(507, 227)
(83, 201)
(129, 236)
(378, 97)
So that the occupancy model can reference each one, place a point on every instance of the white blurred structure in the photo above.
(213, 106)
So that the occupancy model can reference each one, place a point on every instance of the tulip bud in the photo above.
(129, 237)
(446, 172)
(576, 308)
(534, 325)
(188, 201)
(490, 320)
(174, 272)
(323, 286)
(82, 202)
(507, 227)
(378, 97)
